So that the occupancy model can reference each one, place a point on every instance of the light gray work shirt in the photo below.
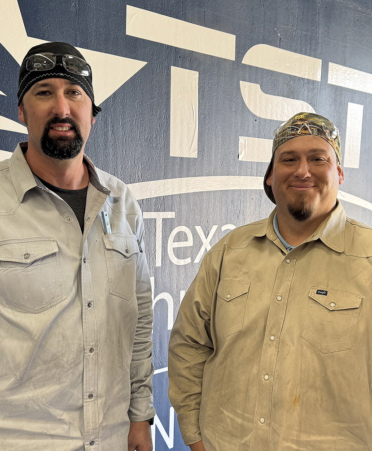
(75, 316)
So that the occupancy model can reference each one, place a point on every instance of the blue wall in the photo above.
(131, 138)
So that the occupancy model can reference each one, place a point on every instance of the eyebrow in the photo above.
(294, 152)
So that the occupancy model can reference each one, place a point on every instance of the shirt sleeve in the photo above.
(141, 368)
(189, 348)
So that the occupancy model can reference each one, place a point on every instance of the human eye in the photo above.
(319, 159)
(74, 92)
(43, 93)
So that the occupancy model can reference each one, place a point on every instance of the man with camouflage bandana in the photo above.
(271, 347)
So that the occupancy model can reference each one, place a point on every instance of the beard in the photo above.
(62, 148)
(301, 210)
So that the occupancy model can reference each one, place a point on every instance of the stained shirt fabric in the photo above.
(75, 316)
(272, 350)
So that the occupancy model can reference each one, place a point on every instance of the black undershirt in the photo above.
(75, 198)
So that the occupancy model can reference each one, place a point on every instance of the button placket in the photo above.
(90, 356)
(270, 351)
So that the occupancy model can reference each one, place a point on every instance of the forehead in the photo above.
(305, 145)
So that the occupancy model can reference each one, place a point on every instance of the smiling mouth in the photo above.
(66, 130)
(301, 186)
(61, 129)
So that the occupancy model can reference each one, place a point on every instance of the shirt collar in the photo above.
(331, 231)
(24, 180)
(276, 229)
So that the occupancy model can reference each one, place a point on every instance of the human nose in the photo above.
(60, 107)
(303, 169)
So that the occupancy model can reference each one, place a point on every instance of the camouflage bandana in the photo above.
(303, 124)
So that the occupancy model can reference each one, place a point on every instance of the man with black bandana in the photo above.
(271, 348)
(75, 293)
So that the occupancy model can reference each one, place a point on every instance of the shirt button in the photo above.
(278, 298)
(90, 396)
(84, 260)
(262, 420)
(228, 296)
(92, 443)
(272, 338)
(332, 304)
(26, 256)
(87, 219)
(288, 261)
(89, 305)
(68, 219)
(91, 350)
(266, 377)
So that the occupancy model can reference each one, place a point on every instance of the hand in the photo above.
(139, 437)
(197, 446)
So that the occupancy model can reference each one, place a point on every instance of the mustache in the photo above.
(66, 120)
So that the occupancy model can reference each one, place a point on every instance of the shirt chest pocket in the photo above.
(31, 279)
(230, 309)
(121, 253)
(331, 319)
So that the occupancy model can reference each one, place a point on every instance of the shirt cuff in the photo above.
(189, 426)
(141, 409)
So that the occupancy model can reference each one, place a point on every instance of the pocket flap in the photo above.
(124, 244)
(229, 289)
(27, 250)
(335, 299)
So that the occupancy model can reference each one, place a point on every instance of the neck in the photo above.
(67, 174)
(296, 232)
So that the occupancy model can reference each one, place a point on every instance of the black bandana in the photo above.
(27, 79)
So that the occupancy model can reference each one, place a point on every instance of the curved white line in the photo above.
(346, 197)
(171, 187)
(161, 370)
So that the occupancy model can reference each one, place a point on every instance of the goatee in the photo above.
(62, 148)
(301, 211)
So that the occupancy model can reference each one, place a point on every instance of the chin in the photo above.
(301, 210)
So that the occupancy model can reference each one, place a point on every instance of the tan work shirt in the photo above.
(75, 316)
(272, 351)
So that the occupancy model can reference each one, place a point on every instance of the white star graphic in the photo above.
(110, 71)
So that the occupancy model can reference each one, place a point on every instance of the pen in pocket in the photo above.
(105, 223)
